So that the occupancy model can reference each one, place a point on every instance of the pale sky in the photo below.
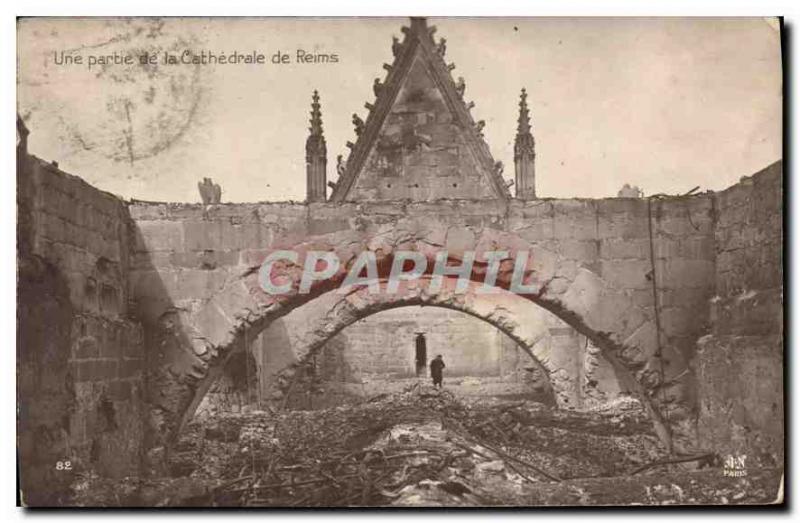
(665, 104)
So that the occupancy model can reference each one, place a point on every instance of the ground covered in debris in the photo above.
(423, 447)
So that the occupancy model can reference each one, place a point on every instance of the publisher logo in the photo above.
(734, 467)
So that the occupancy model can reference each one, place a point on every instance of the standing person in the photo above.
(437, 364)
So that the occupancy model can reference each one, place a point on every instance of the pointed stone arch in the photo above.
(515, 317)
(608, 316)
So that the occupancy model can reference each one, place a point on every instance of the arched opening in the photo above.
(420, 353)
(391, 350)
(401, 416)
(326, 352)
(609, 317)
(602, 320)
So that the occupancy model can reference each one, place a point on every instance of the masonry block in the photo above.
(161, 235)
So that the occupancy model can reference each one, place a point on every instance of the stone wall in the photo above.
(595, 256)
(179, 268)
(384, 344)
(80, 356)
(740, 362)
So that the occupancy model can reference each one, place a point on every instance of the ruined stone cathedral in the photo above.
(420, 143)
(137, 319)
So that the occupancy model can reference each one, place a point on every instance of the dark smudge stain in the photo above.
(149, 107)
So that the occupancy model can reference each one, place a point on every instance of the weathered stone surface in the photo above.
(80, 356)
(740, 385)
(597, 305)
(419, 141)
(597, 263)
(739, 364)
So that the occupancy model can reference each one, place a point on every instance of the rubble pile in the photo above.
(412, 447)
(425, 447)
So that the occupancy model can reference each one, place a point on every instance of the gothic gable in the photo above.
(419, 141)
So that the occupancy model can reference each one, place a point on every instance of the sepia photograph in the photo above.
(400, 262)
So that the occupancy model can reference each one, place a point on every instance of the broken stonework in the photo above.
(635, 277)
(614, 310)
(80, 356)
(739, 363)
(218, 303)
(636, 329)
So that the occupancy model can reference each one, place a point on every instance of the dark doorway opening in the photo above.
(421, 354)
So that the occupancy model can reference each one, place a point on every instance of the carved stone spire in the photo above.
(420, 25)
(524, 153)
(316, 155)
(524, 118)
